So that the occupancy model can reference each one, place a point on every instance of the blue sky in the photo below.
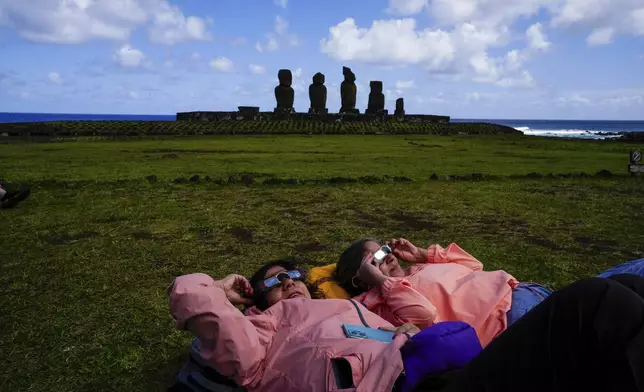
(560, 59)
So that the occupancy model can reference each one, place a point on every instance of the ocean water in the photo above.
(578, 129)
(583, 129)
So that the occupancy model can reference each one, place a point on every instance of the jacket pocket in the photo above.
(341, 373)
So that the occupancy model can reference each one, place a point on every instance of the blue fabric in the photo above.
(525, 297)
(635, 267)
(443, 346)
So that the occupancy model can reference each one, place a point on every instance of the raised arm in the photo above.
(452, 254)
(404, 250)
(398, 302)
(230, 342)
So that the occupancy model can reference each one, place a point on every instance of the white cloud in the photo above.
(600, 36)
(133, 95)
(536, 38)
(256, 69)
(195, 56)
(406, 7)
(129, 57)
(603, 18)
(405, 84)
(55, 78)
(514, 59)
(574, 99)
(238, 41)
(281, 3)
(624, 101)
(170, 26)
(461, 52)
(389, 42)
(222, 64)
(485, 12)
(607, 98)
(278, 37)
(524, 80)
(272, 45)
(78, 21)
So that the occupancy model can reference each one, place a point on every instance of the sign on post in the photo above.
(634, 165)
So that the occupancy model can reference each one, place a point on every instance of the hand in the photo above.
(406, 251)
(237, 289)
(407, 328)
(369, 273)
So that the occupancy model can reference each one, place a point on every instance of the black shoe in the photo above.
(13, 198)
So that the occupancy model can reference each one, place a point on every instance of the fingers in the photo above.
(398, 242)
(243, 285)
(367, 259)
(246, 301)
(407, 328)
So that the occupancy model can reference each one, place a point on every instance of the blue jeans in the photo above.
(528, 295)
(525, 297)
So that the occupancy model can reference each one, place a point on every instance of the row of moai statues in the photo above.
(285, 95)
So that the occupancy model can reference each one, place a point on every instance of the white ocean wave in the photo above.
(568, 133)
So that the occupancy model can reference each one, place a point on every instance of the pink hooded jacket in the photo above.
(451, 286)
(288, 347)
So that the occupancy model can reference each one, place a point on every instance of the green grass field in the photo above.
(85, 261)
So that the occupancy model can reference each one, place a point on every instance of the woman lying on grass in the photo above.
(588, 336)
(441, 285)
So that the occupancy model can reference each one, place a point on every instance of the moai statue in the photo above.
(284, 93)
(348, 92)
(400, 108)
(376, 99)
(317, 95)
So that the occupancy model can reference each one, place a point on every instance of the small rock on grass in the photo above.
(151, 179)
(232, 180)
(478, 176)
(195, 178)
(433, 177)
(180, 180)
(247, 179)
(604, 173)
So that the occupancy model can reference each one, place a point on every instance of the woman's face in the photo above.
(389, 265)
(287, 288)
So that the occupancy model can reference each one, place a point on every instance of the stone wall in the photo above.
(249, 114)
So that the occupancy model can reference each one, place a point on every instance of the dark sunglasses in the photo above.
(273, 281)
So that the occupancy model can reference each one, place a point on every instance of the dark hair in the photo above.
(348, 266)
(259, 297)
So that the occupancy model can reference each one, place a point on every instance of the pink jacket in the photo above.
(288, 347)
(451, 286)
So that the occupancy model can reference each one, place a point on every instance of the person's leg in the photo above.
(635, 267)
(586, 337)
(633, 282)
(524, 298)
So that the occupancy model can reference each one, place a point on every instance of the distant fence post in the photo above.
(634, 157)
